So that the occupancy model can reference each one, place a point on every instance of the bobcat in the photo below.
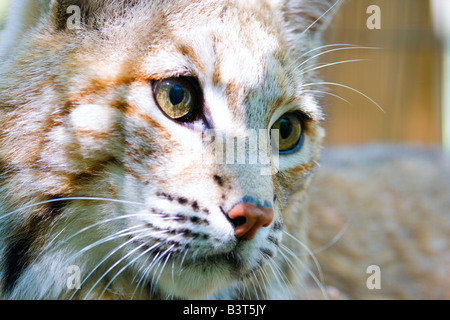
(114, 117)
(110, 121)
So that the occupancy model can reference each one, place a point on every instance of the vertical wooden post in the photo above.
(441, 18)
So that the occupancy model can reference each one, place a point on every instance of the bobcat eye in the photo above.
(177, 98)
(290, 133)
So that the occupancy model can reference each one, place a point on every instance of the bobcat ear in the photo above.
(309, 16)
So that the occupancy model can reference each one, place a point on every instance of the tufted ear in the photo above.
(308, 17)
(299, 20)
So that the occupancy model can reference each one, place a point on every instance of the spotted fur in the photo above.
(94, 175)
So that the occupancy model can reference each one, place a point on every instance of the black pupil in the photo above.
(285, 128)
(176, 95)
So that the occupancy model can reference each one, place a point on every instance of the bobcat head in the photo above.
(162, 147)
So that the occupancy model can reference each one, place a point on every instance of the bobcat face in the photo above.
(119, 133)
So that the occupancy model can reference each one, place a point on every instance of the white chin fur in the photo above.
(194, 282)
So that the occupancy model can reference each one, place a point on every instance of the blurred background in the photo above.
(3, 6)
(404, 76)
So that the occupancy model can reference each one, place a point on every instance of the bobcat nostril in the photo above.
(248, 219)
(239, 221)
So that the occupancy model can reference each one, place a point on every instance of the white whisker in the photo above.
(343, 86)
(279, 274)
(69, 199)
(308, 270)
(113, 266)
(253, 278)
(323, 15)
(165, 262)
(330, 65)
(316, 262)
(105, 258)
(153, 282)
(126, 266)
(292, 266)
(119, 234)
(332, 50)
(334, 240)
(144, 274)
(324, 47)
(327, 93)
(109, 220)
(48, 246)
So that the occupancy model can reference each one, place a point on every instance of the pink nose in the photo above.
(248, 218)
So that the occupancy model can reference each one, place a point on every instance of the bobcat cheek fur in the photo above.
(94, 174)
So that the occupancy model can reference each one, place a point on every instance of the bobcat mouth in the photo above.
(232, 258)
(238, 267)
(200, 262)
(187, 257)
(188, 254)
